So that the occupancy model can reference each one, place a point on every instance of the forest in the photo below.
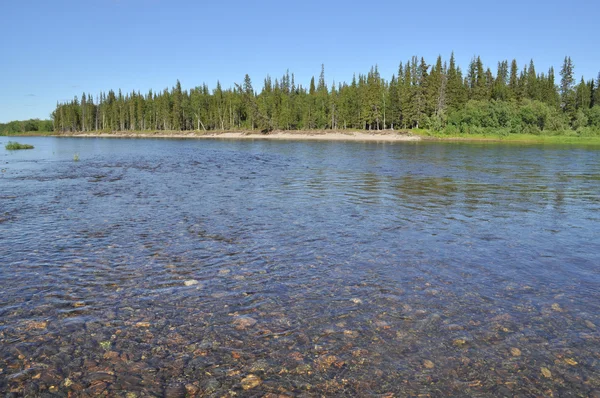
(439, 97)
(25, 126)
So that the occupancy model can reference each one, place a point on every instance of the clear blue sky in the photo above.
(54, 50)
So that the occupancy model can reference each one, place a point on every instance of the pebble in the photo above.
(211, 385)
(327, 361)
(191, 282)
(351, 333)
(590, 325)
(515, 351)
(37, 325)
(356, 300)
(250, 382)
(428, 364)
(546, 372)
(105, 345)
(176, 390)
(259, 366)
(303, 369)
(191, 389)
(455, 327)
(244, 322)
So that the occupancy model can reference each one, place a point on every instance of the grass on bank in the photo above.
(550, 137)
(28, 134)
(13, 146)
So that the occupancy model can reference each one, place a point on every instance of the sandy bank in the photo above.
(321, 135)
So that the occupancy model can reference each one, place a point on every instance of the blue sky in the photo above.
(54, 50)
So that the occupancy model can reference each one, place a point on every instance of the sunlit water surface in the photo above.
(214, 268)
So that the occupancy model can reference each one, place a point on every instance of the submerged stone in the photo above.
(250, 382)
(244, 322)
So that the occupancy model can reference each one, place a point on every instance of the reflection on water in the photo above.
(214, 268)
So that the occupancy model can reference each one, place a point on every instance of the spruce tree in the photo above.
(597, 91)
(532, 83)
(513, 81)
(567, 95)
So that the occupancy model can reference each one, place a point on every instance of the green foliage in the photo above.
(593, 116)
(25, 126)
(13, 146)
(530, 117)
(421, 95)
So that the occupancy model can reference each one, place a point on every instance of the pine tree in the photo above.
(567, 95)
(176, 115)
(499, 90)
(513, 81)
(550, 96)
(250, 108)
(597, 91)
(394, 102)
(532, 83)
(481, 85)
(456, 92)
(322, 102)
(583, 95)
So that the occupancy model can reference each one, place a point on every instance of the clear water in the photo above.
(337, 269)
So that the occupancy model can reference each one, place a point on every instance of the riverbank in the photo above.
(300, 135)
(549, 138)
(336, 135)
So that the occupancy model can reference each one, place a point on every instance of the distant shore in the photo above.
(299, 135)
(335, 135)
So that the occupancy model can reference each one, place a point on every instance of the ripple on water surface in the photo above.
(166, 267)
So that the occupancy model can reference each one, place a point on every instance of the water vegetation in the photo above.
(13, 146)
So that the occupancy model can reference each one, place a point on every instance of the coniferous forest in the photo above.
(440, 97)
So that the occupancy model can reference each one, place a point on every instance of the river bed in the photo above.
(156, 267)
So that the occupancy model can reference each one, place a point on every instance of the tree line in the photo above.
(440, 96)
(24, 126)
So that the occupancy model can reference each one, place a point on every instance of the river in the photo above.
(154, 267)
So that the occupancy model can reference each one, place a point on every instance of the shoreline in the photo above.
(330, 135)
(300, 135)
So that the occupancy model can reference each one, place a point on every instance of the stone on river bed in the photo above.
(176, 390)
(546, 372)
(244, 322)
(250, 382)
(191, 282)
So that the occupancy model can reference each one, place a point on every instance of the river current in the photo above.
(155, 267)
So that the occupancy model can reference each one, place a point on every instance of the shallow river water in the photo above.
(261, 268)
